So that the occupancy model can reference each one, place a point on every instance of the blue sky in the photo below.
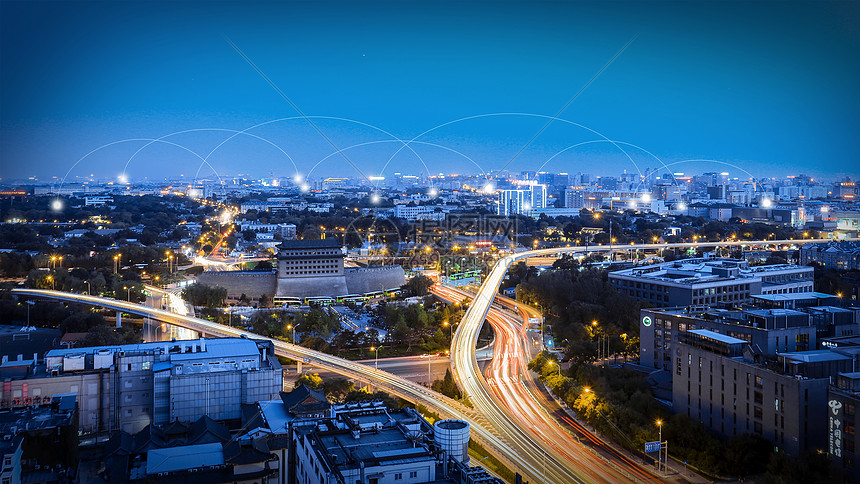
(769, 87)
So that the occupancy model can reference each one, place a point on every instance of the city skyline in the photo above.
(768, 88)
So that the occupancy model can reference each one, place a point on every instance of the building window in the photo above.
(398, 476)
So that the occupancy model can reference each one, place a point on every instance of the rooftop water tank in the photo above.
(452, 436)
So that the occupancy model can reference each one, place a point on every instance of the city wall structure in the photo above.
(307, 268)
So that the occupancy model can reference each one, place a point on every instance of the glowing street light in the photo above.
(51, 278)
(376, 351)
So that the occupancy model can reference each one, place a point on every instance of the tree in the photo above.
(312, 380)
(104, 335)
(338, 388)
(748, 454)
(203, 295)
(419, 285)
(82, 322)
(447, 386)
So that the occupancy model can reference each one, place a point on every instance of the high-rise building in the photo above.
(513, 202)
(545, 178)
(522, 201)
(719, 381)
(538, 197)
(574, 197)
(843, 401)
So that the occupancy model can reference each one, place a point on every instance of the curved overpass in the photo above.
(511, 443)
(542, 454)
(381, 379)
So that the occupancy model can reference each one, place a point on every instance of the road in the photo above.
(412, 368)
(521, 396)
(378, 378)
(472, 381)
(212, 263)
(538, 461)
(510, 404)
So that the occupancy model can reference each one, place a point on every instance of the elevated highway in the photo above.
(380, 379)
(543, 454)
(509, 439)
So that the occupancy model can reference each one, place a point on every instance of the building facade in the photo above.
(310, 258)
(843, 400)
(777, 323)
(130, 386)
(717, 381)
(700, 282)
(843, 255)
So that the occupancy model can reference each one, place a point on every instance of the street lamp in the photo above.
(599, 341)
(29, 303)
(51, 278)
(89, 289)
(623, 337)
(127, 293)
(293, 328)
(376, 351)
(429, 375)
(660, 455)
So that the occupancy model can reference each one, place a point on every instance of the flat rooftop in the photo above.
(717, 336)
(815, 356)
(214, 347)
(798, 296)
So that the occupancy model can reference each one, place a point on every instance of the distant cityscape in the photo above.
(727, 283)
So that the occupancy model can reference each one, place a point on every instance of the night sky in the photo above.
(766, 87)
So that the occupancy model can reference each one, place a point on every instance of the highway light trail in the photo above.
(538, 460)
(510, 392)
(382, 380)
